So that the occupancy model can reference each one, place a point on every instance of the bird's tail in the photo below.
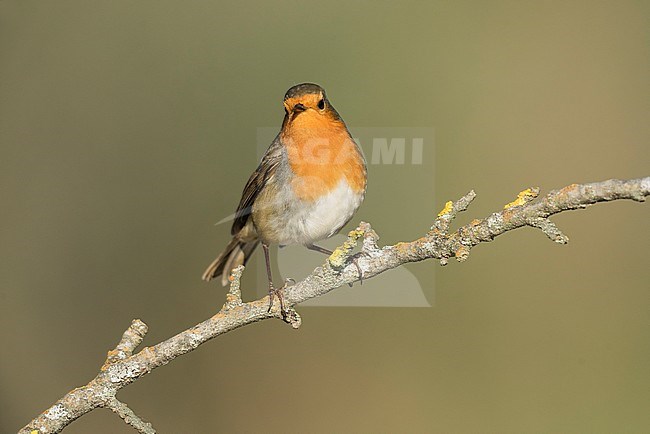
(236, 253)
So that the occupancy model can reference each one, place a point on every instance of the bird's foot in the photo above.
(355, 260)
(278, 292)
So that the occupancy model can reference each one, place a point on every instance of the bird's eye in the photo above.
(321, 104)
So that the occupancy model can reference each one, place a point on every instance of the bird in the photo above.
(307, 186)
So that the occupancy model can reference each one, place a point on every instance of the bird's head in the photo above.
(308, 100)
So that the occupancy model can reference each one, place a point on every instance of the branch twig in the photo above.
(123, 367)
(123, 411)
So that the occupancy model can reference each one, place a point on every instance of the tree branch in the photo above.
(123, 367)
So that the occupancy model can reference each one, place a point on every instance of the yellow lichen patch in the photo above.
(401, 246)
(34, 431)
(339, 255)
(475, 222)
(447, 209)
(523, 197)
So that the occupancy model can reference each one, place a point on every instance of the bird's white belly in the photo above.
(307, 222)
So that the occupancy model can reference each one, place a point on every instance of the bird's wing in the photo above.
(256, 183)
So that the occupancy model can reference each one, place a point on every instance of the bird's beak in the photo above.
(295, 111)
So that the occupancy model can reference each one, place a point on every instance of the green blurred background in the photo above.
(128, 128)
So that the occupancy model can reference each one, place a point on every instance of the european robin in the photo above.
(307, 186)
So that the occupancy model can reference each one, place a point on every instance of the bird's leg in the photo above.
(316, 248)
(329, 253)
(272, 290)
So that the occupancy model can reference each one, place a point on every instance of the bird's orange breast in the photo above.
(321, 153)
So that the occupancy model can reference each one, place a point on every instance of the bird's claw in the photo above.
(278, 292)
(355, 261)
